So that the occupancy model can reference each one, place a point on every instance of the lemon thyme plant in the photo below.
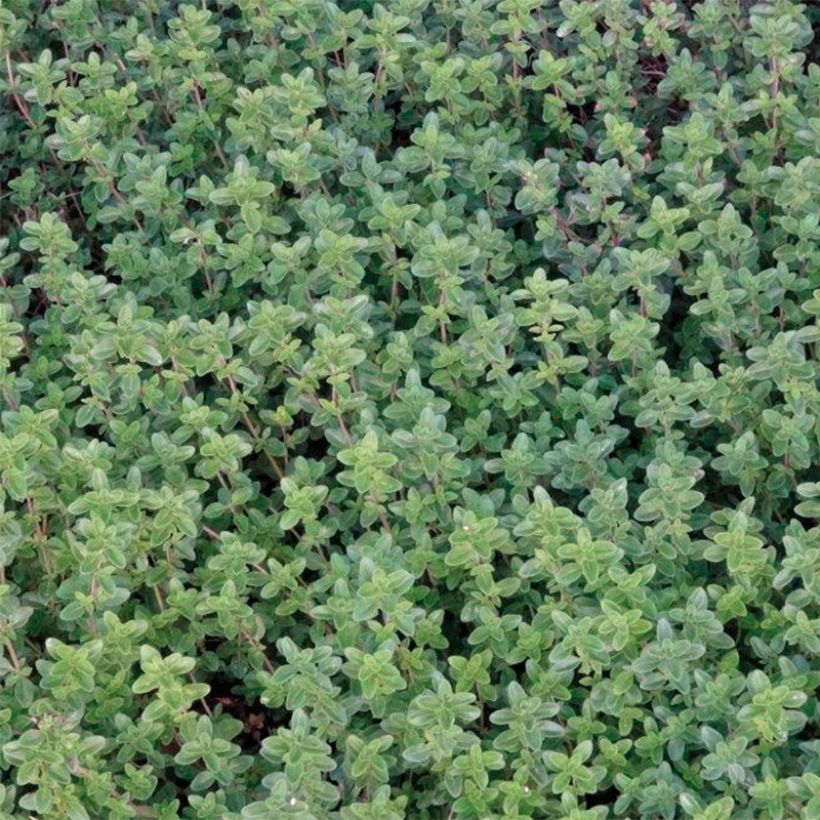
(409, 409)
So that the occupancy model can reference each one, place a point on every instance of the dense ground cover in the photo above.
(409, 409)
